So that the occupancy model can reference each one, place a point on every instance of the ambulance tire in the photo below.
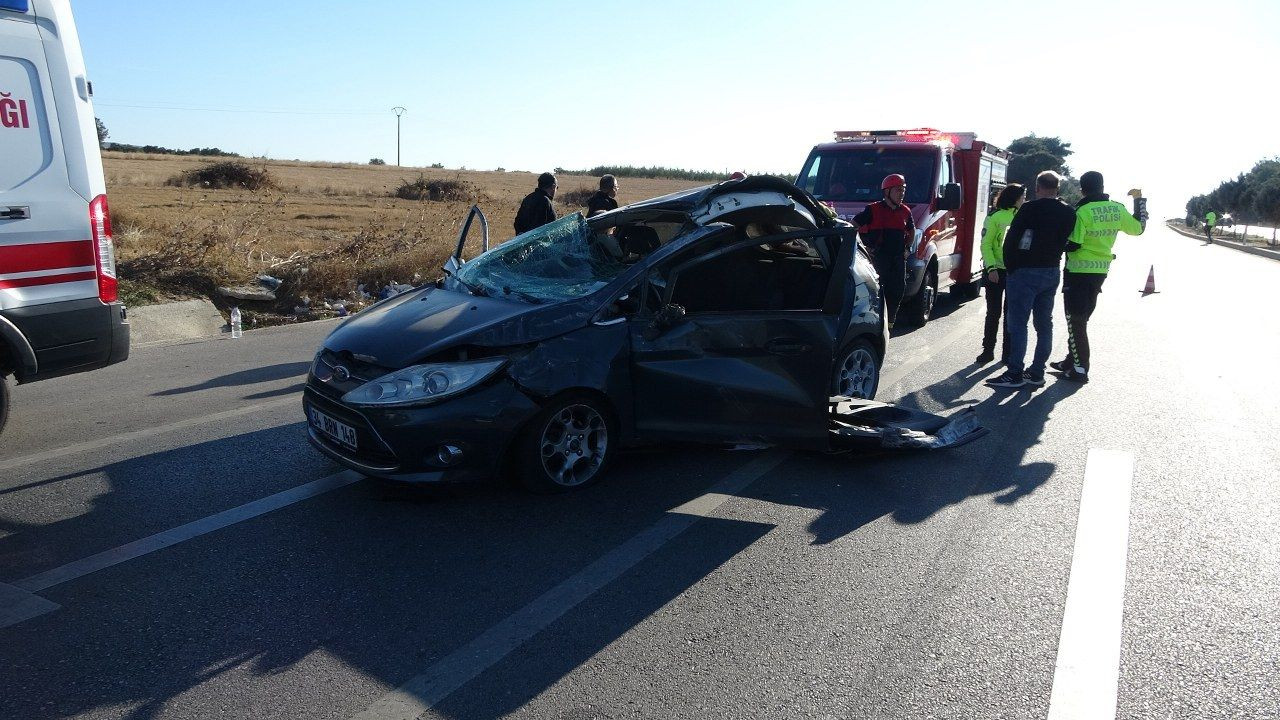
(917, 310)
(4, 401)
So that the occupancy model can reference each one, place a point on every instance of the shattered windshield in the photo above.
(561, 260)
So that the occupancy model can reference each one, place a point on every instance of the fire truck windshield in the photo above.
(854, 174)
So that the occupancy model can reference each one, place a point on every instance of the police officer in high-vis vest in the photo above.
(1210, 219)
(1098, 220)
(887, 229)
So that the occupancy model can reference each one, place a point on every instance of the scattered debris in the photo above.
(248, 292)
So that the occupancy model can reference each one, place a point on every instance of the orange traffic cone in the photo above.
(1150, 287)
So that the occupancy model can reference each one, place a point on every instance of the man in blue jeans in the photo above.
(1033, 249)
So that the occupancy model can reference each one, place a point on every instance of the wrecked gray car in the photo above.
(731, 313)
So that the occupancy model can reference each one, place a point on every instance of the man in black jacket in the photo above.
(536, 210)
(605, 198)
(1033, 249)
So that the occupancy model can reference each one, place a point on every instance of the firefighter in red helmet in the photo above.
(887, 230)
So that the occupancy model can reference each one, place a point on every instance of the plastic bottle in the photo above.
(237, 329)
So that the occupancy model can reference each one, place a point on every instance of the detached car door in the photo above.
(739, 343)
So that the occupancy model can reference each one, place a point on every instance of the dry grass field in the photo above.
(323, 227)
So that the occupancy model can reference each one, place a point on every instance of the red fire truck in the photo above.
(952, 178)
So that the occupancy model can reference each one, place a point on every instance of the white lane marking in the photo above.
(1086, 677)
(100, 443)
(17, 605)
(439, 680)
(421, 692)
(182, 533)
(919, 356)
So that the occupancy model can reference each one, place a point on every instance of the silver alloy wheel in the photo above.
(856, 375)
(931, 294)
(573, 446)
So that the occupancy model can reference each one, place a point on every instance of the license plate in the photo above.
(341, 432)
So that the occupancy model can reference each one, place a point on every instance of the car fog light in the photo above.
(448, 455)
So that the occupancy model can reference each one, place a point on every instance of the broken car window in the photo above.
(562, 260)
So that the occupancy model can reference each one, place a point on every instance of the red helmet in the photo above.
(894, 180)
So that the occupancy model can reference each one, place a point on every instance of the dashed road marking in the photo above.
(1087, 673)
(182, 533)
(439, 680)
(116, 440)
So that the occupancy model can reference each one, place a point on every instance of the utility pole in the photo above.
(398, 111)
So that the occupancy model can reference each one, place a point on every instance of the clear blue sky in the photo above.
(1173, 97)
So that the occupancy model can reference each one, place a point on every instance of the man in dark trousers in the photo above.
(887, 229)
(605, 198)
(1098, 220)
(536, 210)
(1033, 249)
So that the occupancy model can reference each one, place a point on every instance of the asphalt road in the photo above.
(170, 547)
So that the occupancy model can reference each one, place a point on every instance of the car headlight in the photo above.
(423, 384)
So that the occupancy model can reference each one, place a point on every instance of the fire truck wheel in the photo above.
(917, 310)
(4, 401)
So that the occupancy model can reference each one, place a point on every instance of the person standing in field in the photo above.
(995, 274)
(1033, 248)
(1098, 220)
(605, 198)
(536, 209)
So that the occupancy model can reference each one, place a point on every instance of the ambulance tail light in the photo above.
(104, 250)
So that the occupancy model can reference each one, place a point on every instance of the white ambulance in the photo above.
(59, 310)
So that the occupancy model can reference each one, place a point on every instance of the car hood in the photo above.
(403, 330)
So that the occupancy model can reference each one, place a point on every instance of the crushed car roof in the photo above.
(688, 200)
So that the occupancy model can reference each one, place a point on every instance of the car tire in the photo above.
(857, 371)
(568, 445)
(919, 308)
(4, 401)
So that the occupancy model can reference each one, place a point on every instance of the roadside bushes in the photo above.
(228, 174)
(436, 190)
(576, 198)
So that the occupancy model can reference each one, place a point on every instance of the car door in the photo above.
(738, 344)
(455, 261)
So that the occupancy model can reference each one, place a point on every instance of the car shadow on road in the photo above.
(279, 371)
(391, 584)
(911, 487)
(388, 584)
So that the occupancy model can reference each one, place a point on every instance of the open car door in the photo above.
(740, 345)
(456, 260)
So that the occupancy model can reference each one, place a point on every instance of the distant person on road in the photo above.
(887, 228)
(536, 209)
(604, 199)
(1098, 220)
(995, 275)
(1210, 219)
(1033, 249)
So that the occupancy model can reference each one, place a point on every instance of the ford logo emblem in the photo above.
(341, 373)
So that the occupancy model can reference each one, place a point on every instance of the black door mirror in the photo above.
(950, 199)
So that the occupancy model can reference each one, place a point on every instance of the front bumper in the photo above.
(402, 443)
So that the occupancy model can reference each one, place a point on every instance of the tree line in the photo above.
(1252, 198)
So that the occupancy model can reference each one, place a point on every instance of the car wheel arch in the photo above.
(511, 447)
